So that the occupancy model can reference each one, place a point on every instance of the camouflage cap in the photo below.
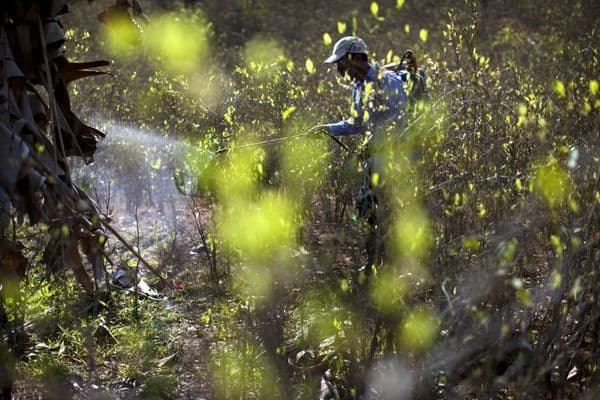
(347, 44)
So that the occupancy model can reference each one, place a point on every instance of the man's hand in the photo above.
(317, 130)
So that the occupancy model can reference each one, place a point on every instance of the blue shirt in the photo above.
(416, 85)
(385, 102)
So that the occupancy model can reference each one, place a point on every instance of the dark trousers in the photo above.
(368, 206)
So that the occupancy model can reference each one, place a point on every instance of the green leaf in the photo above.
(553, 183)
(558, 249)
(522, 109)
(419, 330)
(341, 26)
(472, 244)
(594, 87)
(556, 279)
(375, 179)
(423, 35)
(287, 112)
(374, 9)
(399, 4)
(310, 66)
(509, 250)
(482, 210)
(519, 185)
(344, 285)
(327, 39)
(559, 88)
(524, 297)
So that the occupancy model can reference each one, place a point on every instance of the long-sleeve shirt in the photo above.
(373, 107)
(416, 85)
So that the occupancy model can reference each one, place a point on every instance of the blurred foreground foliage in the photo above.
(490, 287)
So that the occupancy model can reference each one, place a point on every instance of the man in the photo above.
(378, 100)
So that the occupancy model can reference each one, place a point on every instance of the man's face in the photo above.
(344, 66)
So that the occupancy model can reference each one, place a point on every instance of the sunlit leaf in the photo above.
(387, 291)
(419, 330)
(260, 231)
(553, 183)
(519, 185)
(310, 66)
(522, 109)
(557, 245)
(594, 85)
(412, 235)
(122, 35)
(374, 9)
(180, 42)
(524, 297)
(287, 112)
(555, 279)
(375, 179)
(344, 287)
(508, 250)
(399, 4)
(472, 244)
(423, 33)
(482, 210)
(327, 39)
(155, 164)
(341, 27)
(559, 88)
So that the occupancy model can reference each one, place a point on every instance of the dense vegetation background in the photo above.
(491, 285)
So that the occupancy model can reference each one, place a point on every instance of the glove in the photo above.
(317, 130)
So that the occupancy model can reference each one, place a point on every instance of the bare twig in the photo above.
(134, 251)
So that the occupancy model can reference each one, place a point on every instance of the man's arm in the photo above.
(344, 128)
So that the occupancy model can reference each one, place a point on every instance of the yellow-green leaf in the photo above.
(519, 185)
(344, 285)
(375, 9)
(341, 26)
(472, 244)
(375, 179)
(287, 112)
(553, 183)
(399, 4)
(556, 279)
(524, 297)
(310, 66)
(522, 109)
(556, 243)
(327, 39)
(559, 87)
(594, 86)
(423, 35)
(419, 330)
